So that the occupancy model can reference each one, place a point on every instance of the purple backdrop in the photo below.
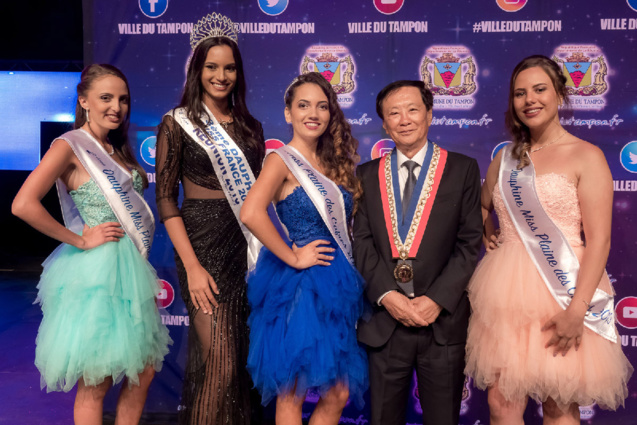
(465, 49)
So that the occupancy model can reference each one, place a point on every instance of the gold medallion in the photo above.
(403, 272)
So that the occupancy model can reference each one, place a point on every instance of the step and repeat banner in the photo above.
(464, 50)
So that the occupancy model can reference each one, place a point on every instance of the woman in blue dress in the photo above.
(306, 296)
(97, 291)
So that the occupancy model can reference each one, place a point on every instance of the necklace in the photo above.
(112, 152)
(225, 123)
(548, 144)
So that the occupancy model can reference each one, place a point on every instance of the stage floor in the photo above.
(23, 402)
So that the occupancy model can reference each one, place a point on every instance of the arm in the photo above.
(380, 281)
(489, 235)
(595, 193)
(58, 162)
(447, 289)
(254, 214)
(168, 162)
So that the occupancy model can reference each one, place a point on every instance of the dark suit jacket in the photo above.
(445, 260)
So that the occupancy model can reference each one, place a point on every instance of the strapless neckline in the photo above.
(558, 196)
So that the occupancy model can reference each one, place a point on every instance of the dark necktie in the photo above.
(410, 183)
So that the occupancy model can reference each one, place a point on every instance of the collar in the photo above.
(418, 158)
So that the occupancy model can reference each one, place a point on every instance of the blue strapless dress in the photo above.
(100, 317)
(303, 322)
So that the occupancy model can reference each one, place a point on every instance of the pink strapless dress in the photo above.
(510, 303)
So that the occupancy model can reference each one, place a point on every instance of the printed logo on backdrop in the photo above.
(388, 7)
(628, 157)
(166, 295)
(273, 7)
(382, 147)
(498, 148)
(336, 65)
(585, 412)
(450, 72)
(147, 150)
(466, 395)
(585, 69)
(511, 5)
(273, 144)
(632, 4)
(153, 8)
(626, 312)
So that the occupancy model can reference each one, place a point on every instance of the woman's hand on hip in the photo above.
(100, 234)
(313, 254)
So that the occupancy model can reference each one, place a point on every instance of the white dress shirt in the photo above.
(403, 172)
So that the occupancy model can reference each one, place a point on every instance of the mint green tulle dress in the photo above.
(100, 318)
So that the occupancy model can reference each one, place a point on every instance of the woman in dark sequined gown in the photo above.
(211, 250)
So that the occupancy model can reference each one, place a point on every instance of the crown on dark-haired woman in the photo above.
(213, 25)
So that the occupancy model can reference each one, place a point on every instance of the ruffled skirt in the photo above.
(303, 328)
(510, 303)
(100, 317)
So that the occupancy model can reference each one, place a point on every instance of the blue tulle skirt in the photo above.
(100, 318)
(303, 328)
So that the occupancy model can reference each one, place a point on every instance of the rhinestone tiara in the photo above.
(212, 25)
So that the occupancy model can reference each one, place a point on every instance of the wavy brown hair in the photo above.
(118, 138)
(336, 148)
(245, 125)
(519, 131)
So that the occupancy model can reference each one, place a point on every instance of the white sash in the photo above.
(230, 164)
(116, 185)
(324, 194)
(547, 246)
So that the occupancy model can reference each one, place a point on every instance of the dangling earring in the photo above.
(87, 118)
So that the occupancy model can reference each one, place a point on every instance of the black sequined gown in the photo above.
(217, 387)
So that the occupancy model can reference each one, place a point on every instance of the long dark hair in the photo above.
(119, 136)
(519, 131)
(245, 125)
(336, 148)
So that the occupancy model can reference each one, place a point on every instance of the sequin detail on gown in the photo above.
(99, 313)
(510, 303)
(302, 323)
(217, 387)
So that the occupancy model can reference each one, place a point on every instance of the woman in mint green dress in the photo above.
(97, 291)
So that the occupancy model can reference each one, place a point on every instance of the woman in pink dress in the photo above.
(522, 343)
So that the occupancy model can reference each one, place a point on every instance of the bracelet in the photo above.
(588, 307)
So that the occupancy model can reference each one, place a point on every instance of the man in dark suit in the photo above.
(417, 236)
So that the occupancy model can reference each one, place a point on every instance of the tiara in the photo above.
(212, 25)
(285, 93)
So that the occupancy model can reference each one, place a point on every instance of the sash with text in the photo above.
(547, 246)
(324, 194)
(116, 185)
(230, 164)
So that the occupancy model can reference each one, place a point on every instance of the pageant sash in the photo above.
(230, 164)
(547, 246)
(324, 194)
(116, 185)
(405, 237)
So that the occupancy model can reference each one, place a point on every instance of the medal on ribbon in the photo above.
(405, 237)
